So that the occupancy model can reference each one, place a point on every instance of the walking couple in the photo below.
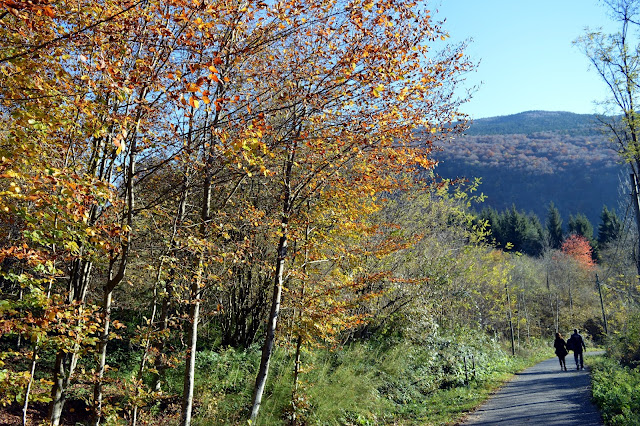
(575, 344)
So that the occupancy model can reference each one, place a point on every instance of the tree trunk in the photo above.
(604, 316)
(104, 338)
(526, 316)
(571, 304)
(513, 343)
(159, 365)
(636, 207)
(557, 318)
(147, 342)
(58, 394)
(194, 310)
(116, 277)
(78, 285)
(267, 348)
(189, 375)
(27, 391)
(518, 320)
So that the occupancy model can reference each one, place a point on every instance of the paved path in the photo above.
(542, 395)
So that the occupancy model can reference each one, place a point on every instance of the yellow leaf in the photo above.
(377, 90)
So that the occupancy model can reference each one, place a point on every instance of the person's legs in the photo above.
(575, 356)
(581, 361)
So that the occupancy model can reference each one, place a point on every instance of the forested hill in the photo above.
(537, 121)
(533, 158)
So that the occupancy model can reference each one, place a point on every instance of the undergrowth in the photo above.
(365, 383)
(616, 390)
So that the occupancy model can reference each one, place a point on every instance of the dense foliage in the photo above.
(615, 58)
(173, 169)
(529, 122)
(514, 230)
(535, 158)
(217, 209)
(377, 381)
(616, 390)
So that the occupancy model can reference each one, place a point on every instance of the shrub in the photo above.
(625, 347)
(376, 381)
(616, 390)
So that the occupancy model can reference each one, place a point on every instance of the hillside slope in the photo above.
(533, 158)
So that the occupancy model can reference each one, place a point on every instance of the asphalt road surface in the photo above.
(542, 395)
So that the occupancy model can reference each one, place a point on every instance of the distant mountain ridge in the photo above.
(533, 158)
(536, 121)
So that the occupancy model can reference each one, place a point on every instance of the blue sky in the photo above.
(527, 59)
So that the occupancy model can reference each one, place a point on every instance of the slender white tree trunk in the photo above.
(190, 367)
(267, 349)
(104, 338)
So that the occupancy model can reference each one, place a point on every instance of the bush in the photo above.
(368, 382)
(625, 347)
(616, 390)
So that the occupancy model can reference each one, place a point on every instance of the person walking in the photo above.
(576, 344)
(561, 350)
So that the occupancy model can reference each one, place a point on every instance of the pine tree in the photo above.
(609, 228)
(535, 236)
(554, 227)
(580, 225)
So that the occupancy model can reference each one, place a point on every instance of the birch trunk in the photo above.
(194, 316)
(194, 311)
(104, 338)
(267, 349)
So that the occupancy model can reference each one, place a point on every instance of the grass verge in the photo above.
(616, 391)
(366, 383)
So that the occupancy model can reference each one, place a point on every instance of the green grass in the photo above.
(616, 391)
(448, 406)
(366, 383)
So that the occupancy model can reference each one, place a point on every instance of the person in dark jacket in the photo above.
(561, 350)
(576, 344)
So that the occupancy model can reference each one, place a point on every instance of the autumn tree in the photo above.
(181, 147)
(616, 59)
(424, 288)
(578, 248)
(38, 96)
(110, 80)
(352, 105)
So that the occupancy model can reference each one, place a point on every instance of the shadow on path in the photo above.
(542, 395)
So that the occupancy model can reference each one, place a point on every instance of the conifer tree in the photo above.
(609, 228)
(554, 227)
(580, 225)
(493, 220)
